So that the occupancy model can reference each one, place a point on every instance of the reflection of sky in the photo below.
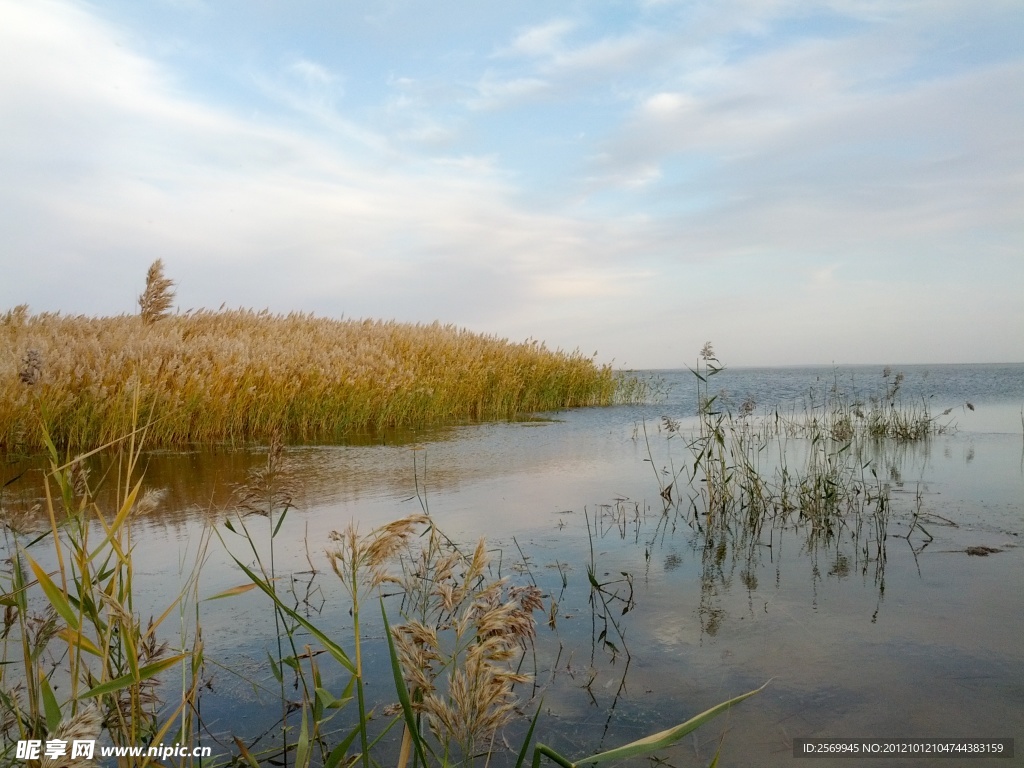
(803, 182)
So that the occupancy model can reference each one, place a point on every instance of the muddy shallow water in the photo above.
(925, 642)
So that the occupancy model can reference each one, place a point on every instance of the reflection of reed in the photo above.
(604, 596)
(621, 517)
(749, 485)
(200, 484)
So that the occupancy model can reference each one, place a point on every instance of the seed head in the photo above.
(31, 367)
(84, 726)
(157, 299)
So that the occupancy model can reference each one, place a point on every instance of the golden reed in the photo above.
(241, 375)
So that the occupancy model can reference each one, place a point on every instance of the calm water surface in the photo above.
(925, 644)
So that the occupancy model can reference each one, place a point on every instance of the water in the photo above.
(925, 644)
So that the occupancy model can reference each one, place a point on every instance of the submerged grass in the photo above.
(243, 376)
(884, 414)
(744, 481)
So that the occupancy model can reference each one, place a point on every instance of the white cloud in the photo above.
(311, 72)
(539, 41)
(665, 104)
(765, 192)
(557, 69)
(584, 284)
(244, 211)
(609, 55)
(493, 93)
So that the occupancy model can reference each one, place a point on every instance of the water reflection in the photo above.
(874, 622)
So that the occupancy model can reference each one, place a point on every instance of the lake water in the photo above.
(923, 640)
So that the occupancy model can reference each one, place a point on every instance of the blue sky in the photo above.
(799, 182)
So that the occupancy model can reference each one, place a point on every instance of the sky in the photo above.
(799, 182)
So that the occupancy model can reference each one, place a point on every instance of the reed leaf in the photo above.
(529, 735)
(144, 673)
(55, 595)
(50, 705)
(76, 639)
(403, 692)
(251, 761)
(302, 751)
(239, 590)
(116, 524)
(649, 744)
(329, 645)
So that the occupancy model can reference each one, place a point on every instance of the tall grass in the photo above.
(76, 653)
(455, 658)
(240, 375)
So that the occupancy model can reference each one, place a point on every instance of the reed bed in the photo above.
(242, 376)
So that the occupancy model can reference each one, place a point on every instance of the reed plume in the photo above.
(84, 726)
(158, 298)
(459, 647)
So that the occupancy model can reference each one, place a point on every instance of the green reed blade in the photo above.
(668, 737)
(529, 735)
(401, 690)
(54, 594)
(338, 753)
(332, 647)
(124, 681)
(302, 751)
(50, 705)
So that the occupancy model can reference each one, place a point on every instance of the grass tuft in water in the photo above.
(882, 415)
(744, 480)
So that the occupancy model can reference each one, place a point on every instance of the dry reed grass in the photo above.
(84, 726)
(461, 655)
(156, 301)
(240, 375)
(465, 632)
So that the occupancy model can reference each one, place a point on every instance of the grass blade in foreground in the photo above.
(412, 731)
(332, 647)
(647, 745)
